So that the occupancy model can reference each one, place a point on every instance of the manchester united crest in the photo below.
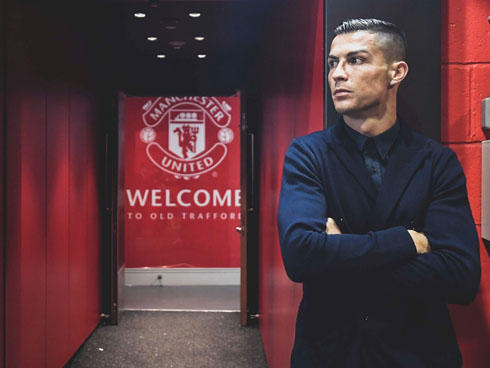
(186, 136)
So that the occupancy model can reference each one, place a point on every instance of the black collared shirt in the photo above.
(375, 150)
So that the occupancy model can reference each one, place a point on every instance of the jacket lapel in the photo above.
(352, 160)
(404, 162)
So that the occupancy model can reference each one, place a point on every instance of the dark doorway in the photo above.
(159, 48)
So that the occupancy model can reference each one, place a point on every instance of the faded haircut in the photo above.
(392, 41)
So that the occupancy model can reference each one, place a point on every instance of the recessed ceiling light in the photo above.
(152, 38)
(161, 56)
(139, 15)
(176, 43)
(194, 15)
(201, 56)
(199, 38)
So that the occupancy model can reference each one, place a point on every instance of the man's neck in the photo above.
(370, 126)
(375, 120)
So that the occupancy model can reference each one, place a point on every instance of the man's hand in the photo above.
(331, 227)
(419, 239)
(421, 242)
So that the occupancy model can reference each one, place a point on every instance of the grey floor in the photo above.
(175, 298)
(173, 339)
(178, 327)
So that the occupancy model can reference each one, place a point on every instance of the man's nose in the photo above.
(339, 72)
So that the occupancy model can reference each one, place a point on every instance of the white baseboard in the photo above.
(181, 276)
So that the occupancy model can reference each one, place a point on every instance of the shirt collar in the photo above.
(383, 141)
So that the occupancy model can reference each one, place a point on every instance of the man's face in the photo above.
(359, 74)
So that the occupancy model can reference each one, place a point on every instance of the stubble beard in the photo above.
(356, 112)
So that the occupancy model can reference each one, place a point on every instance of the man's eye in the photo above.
(356, 60)
(332, 63)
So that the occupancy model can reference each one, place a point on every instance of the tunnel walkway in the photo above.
(173, 339)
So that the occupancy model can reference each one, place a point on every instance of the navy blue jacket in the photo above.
(368, 299)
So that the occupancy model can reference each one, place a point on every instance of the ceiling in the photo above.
(232, 31)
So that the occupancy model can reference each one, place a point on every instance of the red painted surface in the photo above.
(465, 31)
(463, 88)
(197, 230)
(57, 293)
(292, 106)
(94, 229)
(78, 218)
(470, 157)
(33, 223)
(465, 82)
(479, 89)
(455, 105)
(52, 203)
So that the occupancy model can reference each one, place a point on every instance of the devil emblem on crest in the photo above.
(187, 131)
(187, 139)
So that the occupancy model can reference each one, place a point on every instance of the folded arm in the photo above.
(306, 248)
(448, 265)
(451, 271)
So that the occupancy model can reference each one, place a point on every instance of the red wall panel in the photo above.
(479, 89)
(465, 77)
(33, 217)
(463, 88)
(57, 196)
(78, 218)
(52, 302)
(94, 220)
(53, 268)
(472, 324)
(470, 157)
(464, 31)
(13, 250)
(291, 106)
(455, 106)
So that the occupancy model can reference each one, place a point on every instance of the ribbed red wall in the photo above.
(53, 238)
(465, 82)
(292, 95)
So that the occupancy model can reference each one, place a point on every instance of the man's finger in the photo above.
(331, 227)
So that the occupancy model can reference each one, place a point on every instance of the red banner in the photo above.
(182, 177)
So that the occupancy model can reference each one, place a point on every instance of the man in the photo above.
(374, 220)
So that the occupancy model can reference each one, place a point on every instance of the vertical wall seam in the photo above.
(3, 162)
(470, 105)
(66, 245)
(69, 218)
(46, 229)
(87, 242)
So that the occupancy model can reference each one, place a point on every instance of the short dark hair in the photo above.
(393, 41)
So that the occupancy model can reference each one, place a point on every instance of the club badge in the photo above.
(186, 136)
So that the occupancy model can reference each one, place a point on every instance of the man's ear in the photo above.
(398, 72)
